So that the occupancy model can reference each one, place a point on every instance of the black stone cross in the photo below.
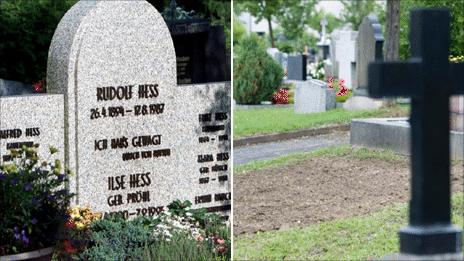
(429, 79)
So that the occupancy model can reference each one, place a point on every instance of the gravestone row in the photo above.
(135, 140)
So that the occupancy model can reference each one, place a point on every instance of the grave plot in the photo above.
(343, 183)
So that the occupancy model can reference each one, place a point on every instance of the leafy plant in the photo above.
(256, 74)
(33, 201)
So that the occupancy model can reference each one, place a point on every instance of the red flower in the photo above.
(68, 247)
(39, 86)
(280, 97)
(343, 91)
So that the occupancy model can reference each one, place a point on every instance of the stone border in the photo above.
(240, 142)
(261, 106)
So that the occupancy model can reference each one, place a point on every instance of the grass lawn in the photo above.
(359, 238)
(275, 120)
(342, 151)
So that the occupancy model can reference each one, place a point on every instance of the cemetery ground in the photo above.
(250, 122)
(339, 203)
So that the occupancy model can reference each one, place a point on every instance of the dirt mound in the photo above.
(320, 189)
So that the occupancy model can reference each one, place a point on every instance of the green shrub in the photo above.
(114, 238)
(256, 74)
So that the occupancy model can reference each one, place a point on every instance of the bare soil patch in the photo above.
(320, 189)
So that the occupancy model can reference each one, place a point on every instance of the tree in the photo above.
(354, 11)
(456, 30)
(262, 9)
(332, 21)
(239, 30)
(293, 17)
(26, 31)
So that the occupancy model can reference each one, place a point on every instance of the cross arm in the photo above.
(389, 79)
(457, 78)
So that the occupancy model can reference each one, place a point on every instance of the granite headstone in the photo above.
(313, 96)
(296, 67)
(369, 48)
(135, 139)
(32, 121)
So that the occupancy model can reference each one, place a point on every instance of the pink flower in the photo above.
(200, 238)
(220, 241)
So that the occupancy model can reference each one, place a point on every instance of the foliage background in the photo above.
(26, 30)
(457, 23)
(27, 27)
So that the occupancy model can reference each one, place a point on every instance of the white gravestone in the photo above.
(135, 139)
(344, 56)
(32, 121)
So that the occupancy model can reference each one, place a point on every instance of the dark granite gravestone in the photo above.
(369, 46)
(296, 67)
(430, 80)
(200, 49)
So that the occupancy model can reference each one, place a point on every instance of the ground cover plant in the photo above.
(275, 120)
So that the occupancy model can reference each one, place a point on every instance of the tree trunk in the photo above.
(271, 34)
(392, 41)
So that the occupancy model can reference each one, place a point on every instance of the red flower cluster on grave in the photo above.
(39, 86)
(342, 91)
(280, 97)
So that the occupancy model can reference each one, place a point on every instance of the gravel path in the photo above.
(266, 151)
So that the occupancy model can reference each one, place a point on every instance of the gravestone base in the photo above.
(435, 239)
(356, 103)
(442, 257)
(393, 134)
